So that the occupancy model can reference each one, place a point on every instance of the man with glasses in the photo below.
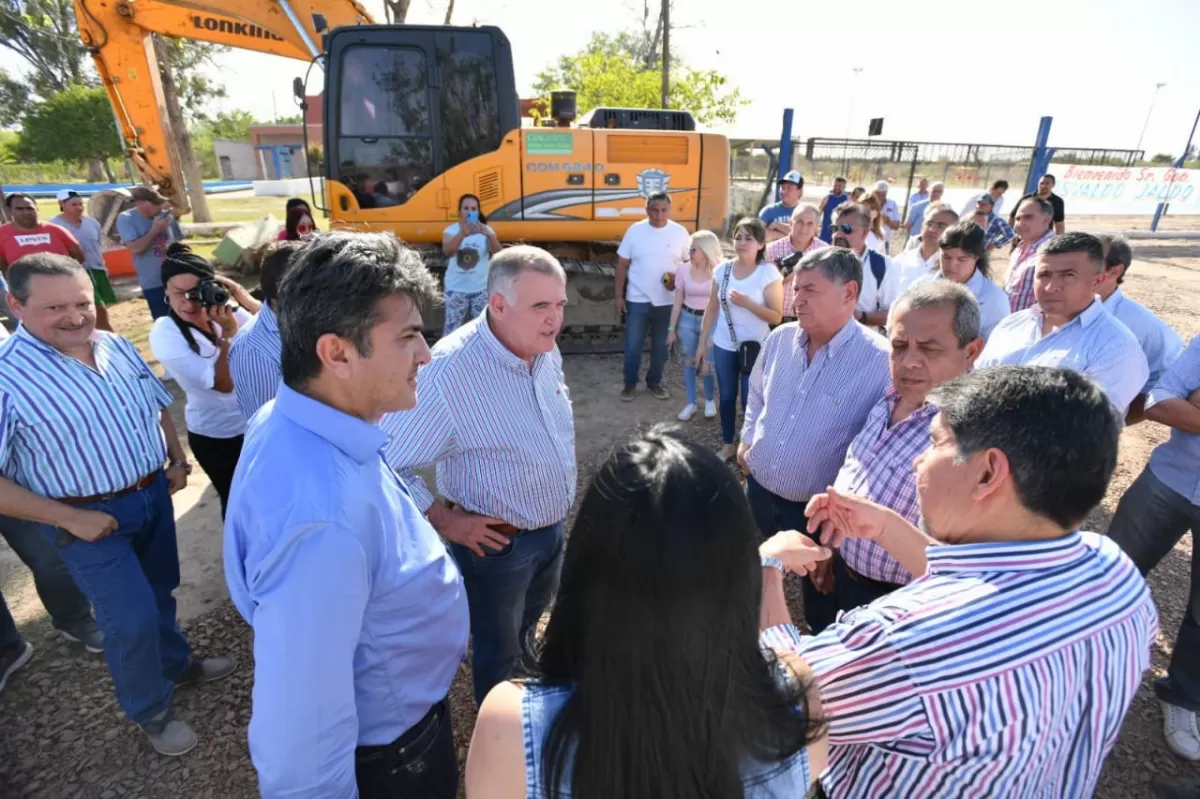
(87, 232)
(916, 212)
(880, 284)
(924, 259)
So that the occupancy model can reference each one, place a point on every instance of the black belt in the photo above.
(430, 720)
(693, 311)
(862, 578)
(138, 486)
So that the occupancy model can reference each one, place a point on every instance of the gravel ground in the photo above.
(64, 736)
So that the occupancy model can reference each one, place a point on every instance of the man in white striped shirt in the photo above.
(254, 356)
(812, 387)
(495, 416)
(1069, 327)
(1160, 344)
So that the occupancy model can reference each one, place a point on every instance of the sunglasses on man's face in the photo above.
(845, 228)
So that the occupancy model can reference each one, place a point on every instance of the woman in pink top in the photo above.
(693, 286)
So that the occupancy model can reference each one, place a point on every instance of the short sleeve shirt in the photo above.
(131, 226)
(16, 242)
(89, 236)
(652, 252)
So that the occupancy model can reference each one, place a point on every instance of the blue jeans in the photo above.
(729, 379)
(129, 575)
(156, 298)
(507, 591)
(641, 317)
(62, 599)
(773, 513)
(689, 339)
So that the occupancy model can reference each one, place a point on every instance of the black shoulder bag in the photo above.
(747, 351)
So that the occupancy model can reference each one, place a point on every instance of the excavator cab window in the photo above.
(408, 102)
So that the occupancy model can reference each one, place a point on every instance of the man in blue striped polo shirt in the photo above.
(84, 433)
(254, 356)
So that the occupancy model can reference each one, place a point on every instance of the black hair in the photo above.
(655, 628)
(1000, 184)
(1055, 427)
(295, 202)
(47, 264)
(275, 265)
(292, 225)
(1076, 241)
(1053, 180)
(658, 197)
(479, 205)
(970, 238)
(9, 198)
(179, 251)
(758, 230)
(334, 286)
(835, 180)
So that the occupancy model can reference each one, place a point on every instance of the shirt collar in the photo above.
(1085, 318)
(892, 397)
(975, 282)
(358, 439)
(839, 338)
(496, 347)
(1114, 299)
(23, 334)
(1005, 555)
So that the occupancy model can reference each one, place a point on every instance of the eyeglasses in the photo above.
(845, 228)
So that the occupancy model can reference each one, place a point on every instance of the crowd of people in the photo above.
(918, 444)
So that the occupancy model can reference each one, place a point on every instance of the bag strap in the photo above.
(724, 295)
(878, 267)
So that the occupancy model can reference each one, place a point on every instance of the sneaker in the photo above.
(206, 670)
(169, 735)
(1179, 728)
(627, 393)
(688, 412)
(86, 633)
(710, 409)
(658, 392)
(14, 659)
(1167, 788)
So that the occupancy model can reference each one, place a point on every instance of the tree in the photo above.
(43, 34)
(14, 97)
(72, 125)
(395, 12)
(612, 71)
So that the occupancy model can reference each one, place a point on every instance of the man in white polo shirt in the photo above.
(650, 250)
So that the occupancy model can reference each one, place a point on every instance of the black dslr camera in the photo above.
(208, 293)
(787, 264)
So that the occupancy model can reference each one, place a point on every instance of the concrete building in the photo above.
(235, 159)
(279, 149)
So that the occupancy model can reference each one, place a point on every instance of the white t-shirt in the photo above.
(652, 252)
(875, 243)
(913, 267)
(210, 413)
(746, 324)
(873, 295)
(467, 269)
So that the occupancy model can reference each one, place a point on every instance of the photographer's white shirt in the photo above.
(652, 252)
(210, 413)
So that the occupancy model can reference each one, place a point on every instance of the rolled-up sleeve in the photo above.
(307, 609)
(1180, 379)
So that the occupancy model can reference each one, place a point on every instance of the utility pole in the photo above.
(666, 53)
(1149, 111)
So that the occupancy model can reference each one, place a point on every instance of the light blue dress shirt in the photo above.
(1177, 461)
(1160, 344)
(359, 612)
(1095, 344)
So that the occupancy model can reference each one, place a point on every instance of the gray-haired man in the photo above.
(495, 417)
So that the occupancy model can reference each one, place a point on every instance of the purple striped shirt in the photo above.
(1005, 671)
(502, 436)
(879, 466)
(801, 417)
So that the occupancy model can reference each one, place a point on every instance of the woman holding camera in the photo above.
(469, 245)
(192, 343)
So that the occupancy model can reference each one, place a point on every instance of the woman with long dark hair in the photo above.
(650, 680)
(964, 259)
(299, 224)
(192, 343)
(469, 245)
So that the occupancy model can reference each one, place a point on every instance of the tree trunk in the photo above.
(396, 11)
(183, 140)
(108, 173)
(95, 170)
(449, 12)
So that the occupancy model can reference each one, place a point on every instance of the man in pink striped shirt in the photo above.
(1034, 227)
(802, 239)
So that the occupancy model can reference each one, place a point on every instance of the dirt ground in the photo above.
(64, 735)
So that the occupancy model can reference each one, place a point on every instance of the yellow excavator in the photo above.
(416, 116)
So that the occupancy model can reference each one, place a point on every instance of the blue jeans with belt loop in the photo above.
(129, 576)
(507, 592)
(689, 340)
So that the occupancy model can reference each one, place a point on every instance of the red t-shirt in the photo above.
(15, 242)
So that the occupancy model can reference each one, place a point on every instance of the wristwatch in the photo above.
(187, 467)
(774, 563)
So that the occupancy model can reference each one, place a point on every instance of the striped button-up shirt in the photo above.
(1005, 671)
(67, 430)
(1160, 344)
(1094, 344)
(879, 466)
(801, 416)
(502, 435)
(1022, 265)
(254, 361)
(782, 249)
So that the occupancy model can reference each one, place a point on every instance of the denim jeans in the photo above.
(773, 513)
(729, 379)
(641, 317)
(62, 599)
(129, 575)
(689, 340)
(156, 298)
(507, 591)
(1150, 520)
(854, 592)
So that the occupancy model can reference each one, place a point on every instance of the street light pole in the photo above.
(850, 121)
(1149, 111)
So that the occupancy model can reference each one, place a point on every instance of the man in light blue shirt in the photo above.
(359, 612)
(1156, 511)
(1068, 327)
(254, 356)
(778, 216)
(146, 230)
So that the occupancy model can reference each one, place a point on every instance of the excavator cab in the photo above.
(405, 104)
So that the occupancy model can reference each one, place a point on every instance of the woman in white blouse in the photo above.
(964, 259)
(746, 299)
(192, 343)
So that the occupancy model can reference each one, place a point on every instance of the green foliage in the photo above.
(73, 125)
(1163, 158)
(14, 97)
(612, 71)
(196, 91)
(43, 34)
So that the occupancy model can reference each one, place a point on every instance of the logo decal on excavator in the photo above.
(652, 180)
(235, 28)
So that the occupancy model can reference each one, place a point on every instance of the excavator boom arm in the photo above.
(118, 35)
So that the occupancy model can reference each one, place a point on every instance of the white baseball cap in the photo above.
(882, 186)
(66, 194)
(793, 177)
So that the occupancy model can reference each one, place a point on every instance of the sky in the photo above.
(935, 70)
